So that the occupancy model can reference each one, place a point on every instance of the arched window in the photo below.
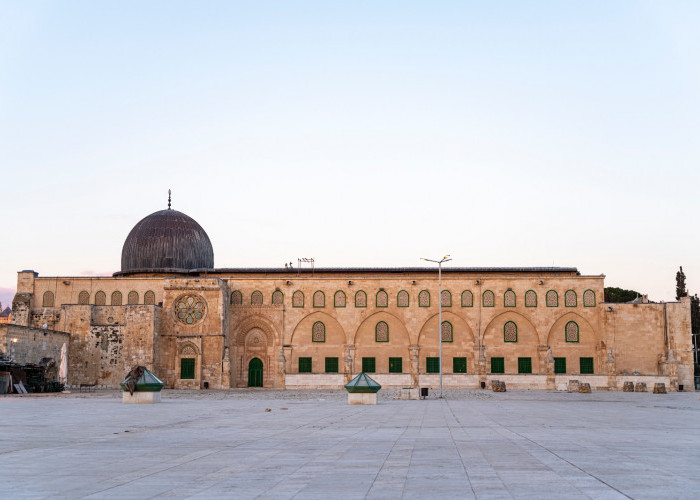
(100, 298)
(467, 299)
(382, 299)
(47, 299)
(277, 298)
(116, 298)
(424, 298)
(298, 299)
(83, 298)
(509, 298)
(132, 298)
(149, 298)
(571, 331)
(339, 299)
(402, 298)
(488, 299)
(570, 298)
(589, 298)
(256, 298)
(236, 298)
(381, 332)
(361, 299)
(446, 331)
(319, 299)
(188, 360)
(318, 332)
(445, 298)
(552, 299)
(530, 298)
(510, 332)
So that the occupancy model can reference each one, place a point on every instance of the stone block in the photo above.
(628, 387)
(640, 387)
(584, 388)
(498, 386)
(362, 398)
(573, 386)
(408, 393)
(141, 397)
(659, 388)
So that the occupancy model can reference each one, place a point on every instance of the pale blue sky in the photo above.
(359, 133)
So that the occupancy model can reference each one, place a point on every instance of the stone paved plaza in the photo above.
(472, 444)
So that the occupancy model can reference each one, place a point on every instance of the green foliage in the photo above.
(695, 313)
(681, 291)
(619, 295)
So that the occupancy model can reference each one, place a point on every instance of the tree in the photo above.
(695, 314)
(681, 291)
(619, 295)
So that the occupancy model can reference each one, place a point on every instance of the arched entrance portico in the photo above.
(255, 373)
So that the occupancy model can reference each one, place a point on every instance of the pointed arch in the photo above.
(47, 299)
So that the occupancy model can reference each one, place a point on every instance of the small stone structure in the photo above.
(573, 386)
(640, 387)
(628, 387)
(141, 386)
(408, 393)
(362, 390)
(498, 386)
(584, 388)
(660, 388)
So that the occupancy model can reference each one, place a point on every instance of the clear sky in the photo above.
(360, 133)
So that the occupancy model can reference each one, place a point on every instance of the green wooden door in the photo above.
(255, 373)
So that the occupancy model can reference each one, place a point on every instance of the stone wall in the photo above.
(32, 344)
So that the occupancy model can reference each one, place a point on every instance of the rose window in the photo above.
(189, 309)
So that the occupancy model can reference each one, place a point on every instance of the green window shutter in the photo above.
(524, 365)
(559, 365)
(395, 365)
(586, 365)
(187, 368)
(304, 365)
(498, 365)
(331, 365)
(368, 365)
(432, 365)
(459, 365)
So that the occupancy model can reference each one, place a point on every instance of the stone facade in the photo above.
(227, 328)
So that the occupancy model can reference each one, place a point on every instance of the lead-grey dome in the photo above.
(167, 240)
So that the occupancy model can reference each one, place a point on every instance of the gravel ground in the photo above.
(270, 394)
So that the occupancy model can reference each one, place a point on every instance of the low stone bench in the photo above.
(584, 388)
(498, 386)
(660, 388)
(628, 387)
(640, 387)
(408, 393)
(573, 386)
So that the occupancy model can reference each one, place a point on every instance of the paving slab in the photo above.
(312, 444)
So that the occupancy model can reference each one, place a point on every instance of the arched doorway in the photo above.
(255, 373)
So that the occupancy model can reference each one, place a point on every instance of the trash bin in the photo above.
(423, 392)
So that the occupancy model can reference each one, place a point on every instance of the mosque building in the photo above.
(197, 326)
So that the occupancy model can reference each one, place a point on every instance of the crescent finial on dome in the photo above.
(168, 199)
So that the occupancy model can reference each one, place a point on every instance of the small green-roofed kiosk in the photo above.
(141, 386)
(362, 390)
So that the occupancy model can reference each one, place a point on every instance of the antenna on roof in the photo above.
(168, 199)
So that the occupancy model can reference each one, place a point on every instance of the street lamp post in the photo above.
(446, 258)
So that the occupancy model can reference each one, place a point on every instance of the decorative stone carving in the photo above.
(190, 309)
